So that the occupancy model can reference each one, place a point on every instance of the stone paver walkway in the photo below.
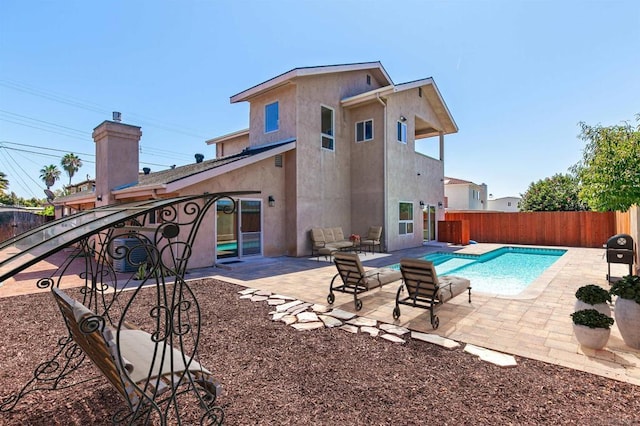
(535, 324)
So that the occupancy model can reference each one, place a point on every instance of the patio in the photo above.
(534, 324)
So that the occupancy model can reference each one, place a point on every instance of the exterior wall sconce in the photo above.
(272, 201)
(99, 198)
(422, 204)
(403, 118)
(440, 205)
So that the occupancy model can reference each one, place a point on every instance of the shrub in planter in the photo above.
(628, 287)
(592, 296)
(592, 328)
(592, 319)
(627, 308)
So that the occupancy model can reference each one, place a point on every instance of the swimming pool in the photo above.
(505, 271)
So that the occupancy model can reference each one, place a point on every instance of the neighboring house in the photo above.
(326, 146)
(504, 204)
(464, 195)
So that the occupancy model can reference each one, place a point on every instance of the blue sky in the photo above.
(517, 76)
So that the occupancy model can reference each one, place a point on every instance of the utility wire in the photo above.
(81, 132)
(93, 107)
(46, 130)
(26, 187)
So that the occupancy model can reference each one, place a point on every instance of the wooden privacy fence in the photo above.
(572, 229)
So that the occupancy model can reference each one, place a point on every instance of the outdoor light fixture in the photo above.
(422, 204)
(99, 198)
(272, 201)
(440, 204)
(403, 118)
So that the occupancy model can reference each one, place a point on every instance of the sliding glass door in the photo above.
(238, 234)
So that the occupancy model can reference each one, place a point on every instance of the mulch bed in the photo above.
(273, 374)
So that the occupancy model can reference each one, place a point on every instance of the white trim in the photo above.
(277, 103)
(364, 130)
(333, 129)
(178, 185)
(228, 136)
(406, 132)
(300, 72)
(412, 221)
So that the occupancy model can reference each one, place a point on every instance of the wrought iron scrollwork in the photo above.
(173, 316)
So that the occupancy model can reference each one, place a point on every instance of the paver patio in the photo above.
(535, 324)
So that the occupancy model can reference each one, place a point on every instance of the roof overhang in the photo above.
(376, 68)
(157, 190)
(228, 136)
(429, 90)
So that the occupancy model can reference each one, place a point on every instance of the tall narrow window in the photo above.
(364, 131)
(405, 218)
(327, 128)
(271, 117)
(402, 132)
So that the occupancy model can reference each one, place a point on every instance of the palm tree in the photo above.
(71, 163)
(50, 174)
(4, 182)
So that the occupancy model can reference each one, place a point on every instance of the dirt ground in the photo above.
(273, 374)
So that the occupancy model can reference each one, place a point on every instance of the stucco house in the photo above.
(503, 204)
(326, 146)
(464, 195)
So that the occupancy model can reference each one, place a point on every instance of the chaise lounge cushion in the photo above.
(451, 286)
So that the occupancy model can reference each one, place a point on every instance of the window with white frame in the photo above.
(271, 117)
(327, 127)
(364, 131)
(405, 218)
(402, 132)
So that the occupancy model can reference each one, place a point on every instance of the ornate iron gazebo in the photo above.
(152, 365)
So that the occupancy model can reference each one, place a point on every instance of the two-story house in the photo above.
(326, 146)
(464, 195)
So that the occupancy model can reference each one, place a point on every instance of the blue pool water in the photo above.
(505, 271)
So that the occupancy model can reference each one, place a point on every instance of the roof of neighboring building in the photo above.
(455, 181)
(378, 72)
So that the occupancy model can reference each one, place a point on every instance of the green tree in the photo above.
(71, 163)
(50, 174)
(557, 193)
(4, 182)
(609, 171)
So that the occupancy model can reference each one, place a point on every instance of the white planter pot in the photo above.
(603, 308)
(594, 338)
(627, 316)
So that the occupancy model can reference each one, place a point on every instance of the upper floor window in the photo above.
(402, 132)
(364, 131)
(405, 216)
(271, 117)
(368, 79)
(327, 128)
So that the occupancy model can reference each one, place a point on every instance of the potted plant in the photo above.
(592, 328)
(592, 296)
(627, 308)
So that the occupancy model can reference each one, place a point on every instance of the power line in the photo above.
(46, 130)
(26, 187)
(46, 148)
(95, 108)
(45, 122)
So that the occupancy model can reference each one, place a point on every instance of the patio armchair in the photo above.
(355, 279)
(425, 289)
(372, 239)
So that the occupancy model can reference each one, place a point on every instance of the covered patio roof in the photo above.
(26, 249)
